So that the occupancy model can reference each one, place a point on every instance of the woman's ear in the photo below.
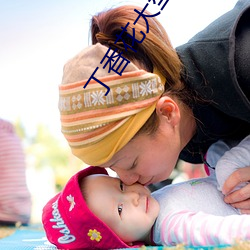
(168, 110)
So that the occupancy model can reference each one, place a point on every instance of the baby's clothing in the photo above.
(194, 212)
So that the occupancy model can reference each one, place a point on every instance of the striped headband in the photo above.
(96, 125)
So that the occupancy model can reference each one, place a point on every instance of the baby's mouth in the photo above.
(147, 202)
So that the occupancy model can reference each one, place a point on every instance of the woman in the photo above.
(138, 124)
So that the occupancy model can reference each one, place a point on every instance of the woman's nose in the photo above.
(126, 177)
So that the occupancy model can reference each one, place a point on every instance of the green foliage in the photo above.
(48, 150)
(45, 150)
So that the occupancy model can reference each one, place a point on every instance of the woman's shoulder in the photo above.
(209, 65)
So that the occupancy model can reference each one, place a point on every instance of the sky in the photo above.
(38, 37)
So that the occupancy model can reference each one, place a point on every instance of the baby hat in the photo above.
(69, 223)
(96, 122)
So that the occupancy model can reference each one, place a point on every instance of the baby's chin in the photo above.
(153, 208)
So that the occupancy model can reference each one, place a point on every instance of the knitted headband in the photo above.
(96, 125)
(69, 223)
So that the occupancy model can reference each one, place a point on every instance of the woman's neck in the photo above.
(187, 125)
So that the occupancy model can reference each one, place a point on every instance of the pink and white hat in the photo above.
(69, 223)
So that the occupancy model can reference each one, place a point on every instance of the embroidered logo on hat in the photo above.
(72, 203)
(94, 235)
(60, 224)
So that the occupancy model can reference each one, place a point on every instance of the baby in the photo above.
(96, 211)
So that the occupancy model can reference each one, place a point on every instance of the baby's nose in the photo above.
(133, 197)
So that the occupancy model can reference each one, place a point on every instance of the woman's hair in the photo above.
(155, 52)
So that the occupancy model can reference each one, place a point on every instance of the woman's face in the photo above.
(147, 159)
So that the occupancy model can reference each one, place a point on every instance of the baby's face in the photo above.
(130, 211)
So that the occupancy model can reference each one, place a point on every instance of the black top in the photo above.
(217, 67)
